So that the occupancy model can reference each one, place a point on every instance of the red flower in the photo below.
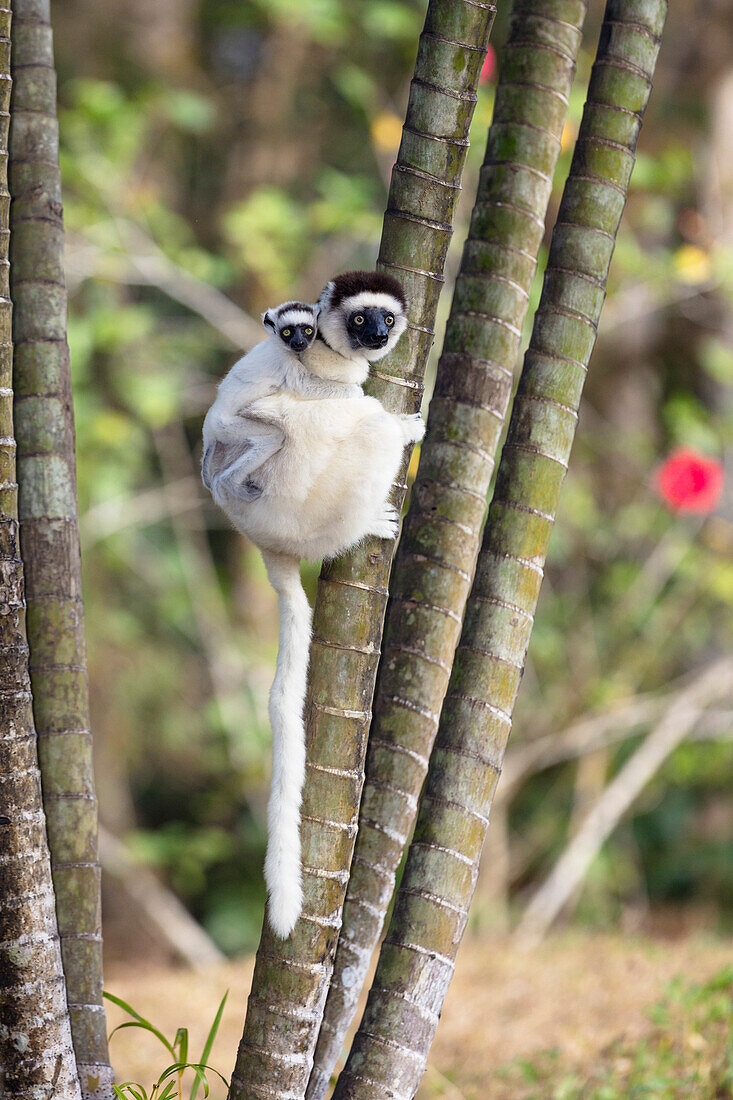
(489, 68)
(689, 482)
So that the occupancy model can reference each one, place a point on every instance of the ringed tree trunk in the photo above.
(390, 1050)
(440, 537)
(291, 976)
(48, 514)
(36, 1055)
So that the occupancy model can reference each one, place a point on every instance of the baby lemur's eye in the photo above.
(359, 320)
(286, 332)
(309, 331)
(389, 319)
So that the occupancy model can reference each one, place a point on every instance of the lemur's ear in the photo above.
(325, 297)
(268, 320)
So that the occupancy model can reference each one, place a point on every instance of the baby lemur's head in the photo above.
(364, 312)
(294, 323)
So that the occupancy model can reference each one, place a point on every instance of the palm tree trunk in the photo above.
(48, 514)
(291, 977)
(390, 1050)
(440, 537)
(36, 1055)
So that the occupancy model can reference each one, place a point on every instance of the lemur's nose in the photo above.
(299, 344)
(375, 339)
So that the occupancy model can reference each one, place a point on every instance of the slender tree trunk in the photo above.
(36, 1055)
(440, 537)
(48, 514)
(390, 1050)
(291, 977)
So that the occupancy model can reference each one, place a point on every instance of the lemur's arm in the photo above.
(228, 465)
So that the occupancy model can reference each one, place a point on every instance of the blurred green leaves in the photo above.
(274, 235)
(162, 181)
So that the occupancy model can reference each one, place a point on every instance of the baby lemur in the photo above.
(302, 462)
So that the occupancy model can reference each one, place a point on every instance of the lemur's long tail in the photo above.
(287, 697)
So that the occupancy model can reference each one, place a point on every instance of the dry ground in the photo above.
(576, 993)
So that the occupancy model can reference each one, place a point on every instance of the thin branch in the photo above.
(681, 715)
(143, 263)
(157, 906)
(598, 732)
(139, 510)
(589, 733)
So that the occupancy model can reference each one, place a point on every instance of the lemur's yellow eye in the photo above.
(389, 319)
(359, 320)
(309, 331)
(286, 332)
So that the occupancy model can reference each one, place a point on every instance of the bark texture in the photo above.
(48, 515)
(440, 537)
(291, 977)
(389, 1053)
(36, 1056)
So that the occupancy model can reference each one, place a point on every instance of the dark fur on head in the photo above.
(354, 282)
(307, 306)
(271, 316)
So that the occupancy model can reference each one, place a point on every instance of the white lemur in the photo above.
(302, 462)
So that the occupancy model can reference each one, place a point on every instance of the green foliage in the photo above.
(687, 1053)
(259, 168)
(170, 1081)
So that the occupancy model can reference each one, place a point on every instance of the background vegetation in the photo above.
(219, 157)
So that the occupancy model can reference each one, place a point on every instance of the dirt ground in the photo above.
(575, 993)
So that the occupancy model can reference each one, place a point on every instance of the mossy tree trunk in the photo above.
(416, 961)
(440, 538)
(36, 1055)
(48, 516)
(291, 977)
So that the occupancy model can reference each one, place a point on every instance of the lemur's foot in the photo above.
(241, 490)
(249, 491)
(413, 427)
(388, 525)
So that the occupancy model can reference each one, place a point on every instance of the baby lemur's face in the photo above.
(294, 322)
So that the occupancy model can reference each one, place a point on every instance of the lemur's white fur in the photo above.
(302, 462)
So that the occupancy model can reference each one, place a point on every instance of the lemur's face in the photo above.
(370, 326)
(297, 337)
(295, 323)
(369, 319)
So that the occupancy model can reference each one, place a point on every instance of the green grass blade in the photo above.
(146, 1026)
(132, 1089)
(181, 1043)
(200, 1077)
(210, 1041)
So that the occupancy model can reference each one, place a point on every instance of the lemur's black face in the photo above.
(298, 337)
(370, 327)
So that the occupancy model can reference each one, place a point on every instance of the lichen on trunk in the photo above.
(291, 977)
(416, 961)
(48, 515)
(440, 538)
